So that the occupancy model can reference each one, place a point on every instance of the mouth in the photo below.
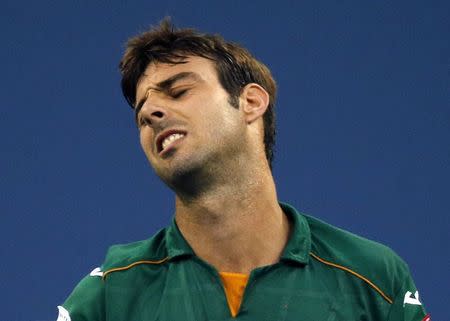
(167, 140)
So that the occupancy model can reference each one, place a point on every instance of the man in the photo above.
(205, 112)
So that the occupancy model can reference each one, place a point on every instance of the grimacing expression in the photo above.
(185, 119)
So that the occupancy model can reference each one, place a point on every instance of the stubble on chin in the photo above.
(187, 181)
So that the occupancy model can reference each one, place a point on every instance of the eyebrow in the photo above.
(164, 85)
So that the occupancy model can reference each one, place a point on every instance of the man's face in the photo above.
(185, 119)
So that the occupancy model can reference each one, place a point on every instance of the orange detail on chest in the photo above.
(234, 285)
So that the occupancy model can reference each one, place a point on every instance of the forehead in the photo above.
(157, 72)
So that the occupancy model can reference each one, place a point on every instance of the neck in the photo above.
(236, 225)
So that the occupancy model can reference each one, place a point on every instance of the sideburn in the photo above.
(233, 100)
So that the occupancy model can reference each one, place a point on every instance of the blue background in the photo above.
(363, 131)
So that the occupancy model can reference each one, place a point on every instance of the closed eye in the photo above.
(178, 93)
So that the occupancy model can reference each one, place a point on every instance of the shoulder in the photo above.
(86, 302)
(374, 263)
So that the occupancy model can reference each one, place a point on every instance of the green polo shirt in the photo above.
(324, 273)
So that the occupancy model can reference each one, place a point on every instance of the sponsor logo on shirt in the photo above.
(96, 272)
(63, 314)
(412, 299)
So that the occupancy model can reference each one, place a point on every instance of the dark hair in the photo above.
(235, 66)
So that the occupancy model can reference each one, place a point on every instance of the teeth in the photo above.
(171, 138)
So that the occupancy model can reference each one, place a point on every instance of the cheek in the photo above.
(229, 120)
(146, 140)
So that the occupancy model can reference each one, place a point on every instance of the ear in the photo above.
(254, 102)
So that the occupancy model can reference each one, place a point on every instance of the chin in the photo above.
(187, 178)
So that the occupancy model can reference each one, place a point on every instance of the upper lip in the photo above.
(163, 135)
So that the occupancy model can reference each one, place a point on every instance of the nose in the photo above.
(153, 113)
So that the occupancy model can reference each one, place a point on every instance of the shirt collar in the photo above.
(299, 244)
(175, 242)
(297, 249)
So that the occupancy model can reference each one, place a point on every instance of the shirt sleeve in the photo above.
(86, 302)
(407, 305)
